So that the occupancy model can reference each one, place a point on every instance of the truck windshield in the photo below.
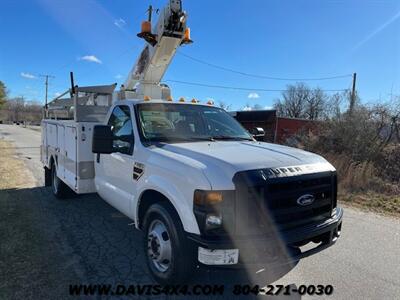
(167, 122)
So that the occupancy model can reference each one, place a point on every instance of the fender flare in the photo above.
(176, 199)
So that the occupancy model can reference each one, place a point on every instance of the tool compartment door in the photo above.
(61, 151)
(70, 158)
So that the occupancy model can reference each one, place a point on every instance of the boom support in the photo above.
(169, 33)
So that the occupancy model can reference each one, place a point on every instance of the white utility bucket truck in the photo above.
(202, 189)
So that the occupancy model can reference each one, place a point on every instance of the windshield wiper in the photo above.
(180, 138)
(232, 138)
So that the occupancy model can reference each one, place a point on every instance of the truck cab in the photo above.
(204, 191)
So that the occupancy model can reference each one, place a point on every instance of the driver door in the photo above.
(118, 187)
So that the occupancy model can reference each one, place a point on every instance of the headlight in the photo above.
(214, 211)
(213, 221)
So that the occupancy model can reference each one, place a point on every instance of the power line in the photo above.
(240, 88)
(261, 76)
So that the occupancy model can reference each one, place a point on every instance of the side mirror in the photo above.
(258, 133)
(103, 137)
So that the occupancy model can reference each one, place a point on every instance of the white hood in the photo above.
(222, 159)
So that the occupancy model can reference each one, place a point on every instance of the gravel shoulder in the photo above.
(13, 172)
(32, 261)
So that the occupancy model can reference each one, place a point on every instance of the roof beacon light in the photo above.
(146, 98)
(182, 99)
(169, 98)
(145, 32)
(210, 102)
(146, 27)
(186, 37)
(194, 100)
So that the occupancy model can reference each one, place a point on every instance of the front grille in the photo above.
(264, 204)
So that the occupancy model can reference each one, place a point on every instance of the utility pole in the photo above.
(353, 94)
(47, 76)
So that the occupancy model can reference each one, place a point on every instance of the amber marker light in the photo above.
(206, 198)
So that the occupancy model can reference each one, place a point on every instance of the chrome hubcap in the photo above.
(159, 246)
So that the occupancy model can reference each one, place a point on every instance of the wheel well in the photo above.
(52, 161)
(148, 198)
(47, 172)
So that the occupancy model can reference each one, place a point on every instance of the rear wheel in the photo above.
(58, 187)
(169, 257)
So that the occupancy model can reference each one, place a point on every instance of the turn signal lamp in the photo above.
(182, 99)
(207, 198)
(146, 98)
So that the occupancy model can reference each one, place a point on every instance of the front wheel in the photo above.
(169, 257)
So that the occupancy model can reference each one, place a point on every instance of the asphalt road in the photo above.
(84, 240)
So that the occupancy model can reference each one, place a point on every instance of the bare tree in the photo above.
(16, 106)
(315, 104)
(20, 110)
(294, 100)
(33, 112)
(334, 107)
(224, 106)
(300, 101)
(253, 107)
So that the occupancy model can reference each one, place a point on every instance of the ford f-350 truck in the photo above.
(199, 186)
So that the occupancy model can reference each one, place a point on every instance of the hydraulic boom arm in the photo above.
(169, 33)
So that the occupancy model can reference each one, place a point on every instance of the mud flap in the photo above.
(47, 177)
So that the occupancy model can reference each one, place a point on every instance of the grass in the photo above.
(359, 186)
(13, 172)
(371, 201)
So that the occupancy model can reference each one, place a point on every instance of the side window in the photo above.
(121, 126)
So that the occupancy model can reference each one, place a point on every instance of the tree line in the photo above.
(301, 101)
(18, 109)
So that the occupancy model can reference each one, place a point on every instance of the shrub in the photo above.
(388, 163)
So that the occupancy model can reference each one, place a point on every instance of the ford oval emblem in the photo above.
(306, 199)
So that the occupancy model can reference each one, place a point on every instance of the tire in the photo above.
(169, 255)
(58, 187)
